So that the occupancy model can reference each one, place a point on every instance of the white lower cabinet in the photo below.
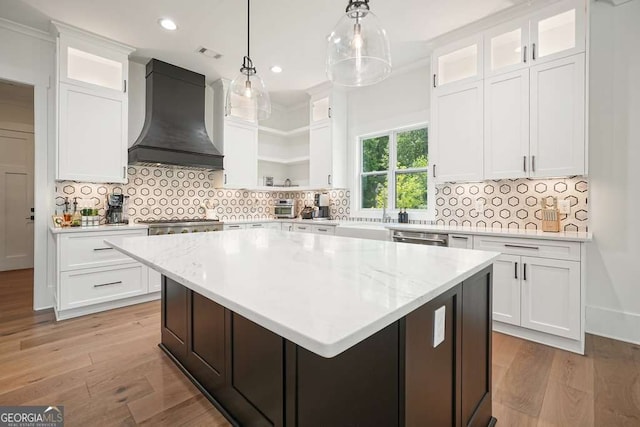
(91, 277)
(321, 229)
(461, 241)
(551, 296)
(506, 289)
(92, 286)
(302, 228)
(538, 290)
(228, 227)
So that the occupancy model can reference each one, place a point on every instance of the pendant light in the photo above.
(358, 52)
(247, 96)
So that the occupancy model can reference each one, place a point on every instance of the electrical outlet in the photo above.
(564, 207)
(480, 206)
(438, 326)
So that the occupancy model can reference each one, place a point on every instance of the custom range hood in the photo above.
(174, 132)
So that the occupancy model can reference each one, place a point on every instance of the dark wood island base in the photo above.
(394, 378)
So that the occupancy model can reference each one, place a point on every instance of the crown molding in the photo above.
(28, 31)
(62, 28)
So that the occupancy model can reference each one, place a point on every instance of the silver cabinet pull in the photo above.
(225, 178)
(533, 51)
(535, 248)
(524, 271)
(459, 237)
(516, 271)
(434, 171)
(524, 163)
(434, 80)
(125, 86)
(302, 228)
(533, 163)
(103, 249)
(108, 284)
(256, 225)
(418, 239)
(323, 229)
(329, 112)
(124, 172)
(524, 55)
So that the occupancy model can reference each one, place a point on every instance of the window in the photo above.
(400, 157)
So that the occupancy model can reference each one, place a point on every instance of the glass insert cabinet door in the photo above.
(507, 47)
(558, 31)
(91, 66)
(459, 62)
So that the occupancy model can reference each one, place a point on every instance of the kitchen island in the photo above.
(279, 328)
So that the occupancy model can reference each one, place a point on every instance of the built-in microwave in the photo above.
(284, 208)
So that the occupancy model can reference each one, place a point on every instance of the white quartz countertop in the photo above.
(112, 227)
(573, 236)
(324, 293)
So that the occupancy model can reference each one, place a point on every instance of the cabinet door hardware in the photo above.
(323, 229)
(524, 55)
(533, 51)
(108, 284)
(524, 271)
(102, 249)
(524, 163)
(330, 112)
(460, 237)
(434, 80)
(302, 228)
(124, 172)
(533, 163)
(535, 248)
(329, 179)
(225, 178)
(125, 86)
(434, 171)
(516, 271)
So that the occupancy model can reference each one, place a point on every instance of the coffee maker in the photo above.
(322, 202)
(117, 209)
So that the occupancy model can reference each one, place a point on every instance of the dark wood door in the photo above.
(174, 329)
(206, 352)
(476, 350)
(257, 369)
(431, 380)
(359, 387)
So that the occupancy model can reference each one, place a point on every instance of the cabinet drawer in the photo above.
(302, 228)
(88, 250)
(86, 287)
(529, 247)
(323, 229)
(228, 227)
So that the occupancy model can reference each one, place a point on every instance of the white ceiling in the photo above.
(290, 33)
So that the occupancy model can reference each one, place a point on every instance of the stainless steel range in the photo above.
(181, 226)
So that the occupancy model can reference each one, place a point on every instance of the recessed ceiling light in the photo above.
(276, 69)
(167, 24)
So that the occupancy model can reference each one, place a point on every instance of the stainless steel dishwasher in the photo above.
(419, 238)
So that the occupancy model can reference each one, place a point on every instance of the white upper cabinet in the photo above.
(506, 48)
(328, 139)
(558, 31)
(459, 62)
(506, 125)
(92, 107)
(558, 118)
(456, 127)
(240, 154)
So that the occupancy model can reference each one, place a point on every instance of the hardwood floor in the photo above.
(106, 369)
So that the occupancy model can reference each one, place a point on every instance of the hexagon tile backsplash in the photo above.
(512, 203)
(171, 193)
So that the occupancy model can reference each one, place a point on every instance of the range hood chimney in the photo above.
(174, 132)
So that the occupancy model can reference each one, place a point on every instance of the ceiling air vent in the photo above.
(209, 53)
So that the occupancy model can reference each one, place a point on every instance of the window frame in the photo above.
(392, 172)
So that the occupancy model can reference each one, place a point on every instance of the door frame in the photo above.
(43, 136)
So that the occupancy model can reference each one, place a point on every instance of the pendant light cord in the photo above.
(248, 28)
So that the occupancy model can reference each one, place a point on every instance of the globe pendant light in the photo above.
(247, 96)
(358, 52)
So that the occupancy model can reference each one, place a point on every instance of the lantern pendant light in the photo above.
(247, 96)
(358, 52)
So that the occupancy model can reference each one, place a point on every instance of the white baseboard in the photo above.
(96, 308)
(613, 324)
(574, 346)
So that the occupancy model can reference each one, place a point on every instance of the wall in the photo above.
(511, 203)
(613, 293)
(174, 193)
(28, 57)
(401, 100)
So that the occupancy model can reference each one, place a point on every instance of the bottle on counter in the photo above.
(84, 211)
(76, 217)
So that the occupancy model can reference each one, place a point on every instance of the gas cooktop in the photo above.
(179, 221)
